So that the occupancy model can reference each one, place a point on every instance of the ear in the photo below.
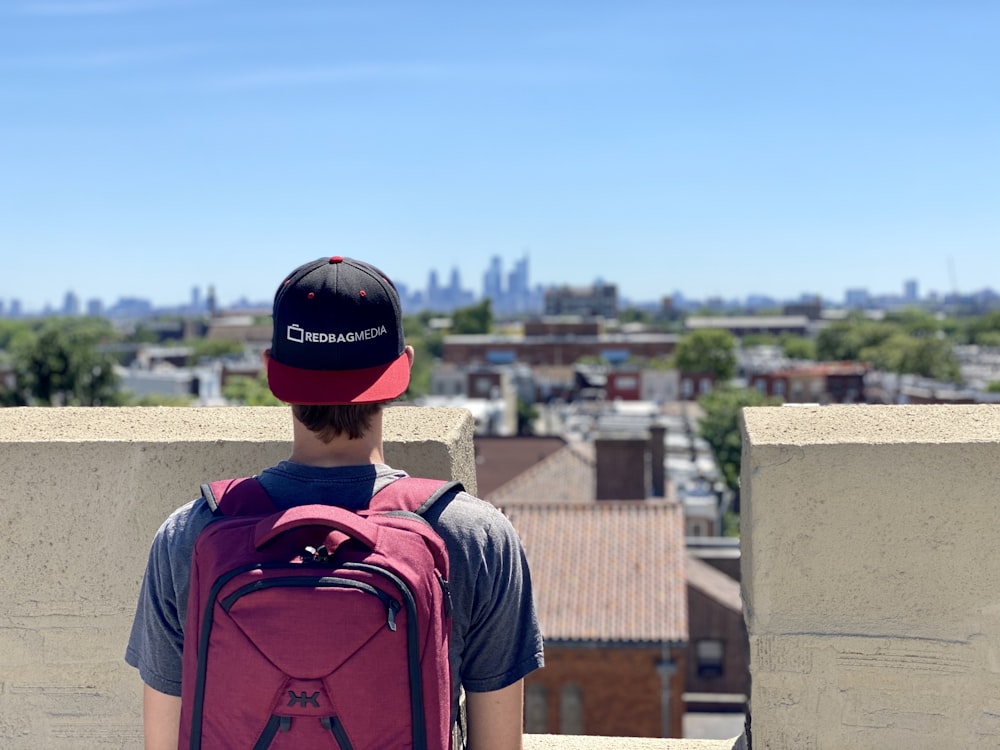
(265, 357)
(408, 350)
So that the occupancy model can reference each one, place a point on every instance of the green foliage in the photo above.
(636, 315)
(428, 346)
(758, 339)
(11, 330)
(526, 416)
(907, 342)
(250, 391)
(59, 364)
(915, 322)
(473, 319)
(720, 427)
(846, 339)
(708, 351)
(798, 347)
(993, 386)
(212, 348)
(143, 335)
(983, 330)
(731, 524)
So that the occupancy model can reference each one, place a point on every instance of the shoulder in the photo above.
(474, 525)
(180, 529)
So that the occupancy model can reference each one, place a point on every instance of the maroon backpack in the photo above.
(318, 627)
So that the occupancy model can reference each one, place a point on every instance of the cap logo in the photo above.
(299, 335)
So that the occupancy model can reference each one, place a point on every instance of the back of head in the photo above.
(338, 336)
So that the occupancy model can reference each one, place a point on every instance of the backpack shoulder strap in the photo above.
(237, 497)
(412, 494)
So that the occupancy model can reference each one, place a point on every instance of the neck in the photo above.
(309, 450)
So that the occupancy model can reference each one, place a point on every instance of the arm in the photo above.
(161, 719)
(496, 718)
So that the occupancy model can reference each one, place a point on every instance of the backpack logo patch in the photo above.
(303, 699)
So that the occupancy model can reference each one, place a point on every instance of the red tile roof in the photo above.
(499, 459)
(568, 476)
(713, 583)
(610, 571)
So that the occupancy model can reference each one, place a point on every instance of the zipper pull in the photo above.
(391, 622)
(446, 594)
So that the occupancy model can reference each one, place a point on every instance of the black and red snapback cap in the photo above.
(338, 335)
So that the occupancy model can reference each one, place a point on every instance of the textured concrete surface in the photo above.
(82, 492)
(871, 576)
(557, 742)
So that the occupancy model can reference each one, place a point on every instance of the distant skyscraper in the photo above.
(195, 298)
(911, 291)
(493, 279)
(71, 304)
(95, 307)
(15, 308)
(517, 283)
(856, 297)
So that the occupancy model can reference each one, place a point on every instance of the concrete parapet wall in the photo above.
(871, 577)
(82, 491)
(568, 742)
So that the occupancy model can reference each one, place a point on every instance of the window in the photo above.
(571, 710)
(536, 710)
(708, 654)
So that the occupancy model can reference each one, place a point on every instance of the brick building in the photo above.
(825, 383)
(555, 349)
(610, 589)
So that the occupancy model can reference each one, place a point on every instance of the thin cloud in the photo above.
(332, 74)
(101, 59)
(92, 7)
(401, 72)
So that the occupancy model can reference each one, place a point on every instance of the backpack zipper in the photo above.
(391, 605)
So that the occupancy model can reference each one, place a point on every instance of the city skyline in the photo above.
(720, 149)
(510, 287)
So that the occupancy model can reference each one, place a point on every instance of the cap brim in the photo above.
(295, 385)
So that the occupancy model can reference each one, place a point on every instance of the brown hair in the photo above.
(330, 421)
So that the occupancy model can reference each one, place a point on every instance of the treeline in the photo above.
(70, 361)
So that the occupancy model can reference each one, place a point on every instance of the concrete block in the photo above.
(83, 490)
(870, 576)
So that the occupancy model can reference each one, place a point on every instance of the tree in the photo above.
(720, 427)
(203, 348)
(845, 339)
(911, 342)
(61, 365)
(915, 321)
(984, 329)
(473, 319)
(798, 347)
(709, 351)
(428, 346)
(526, 416)
(250, 391)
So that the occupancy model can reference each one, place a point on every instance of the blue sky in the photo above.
(709, 146)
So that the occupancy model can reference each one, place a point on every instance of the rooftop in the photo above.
(631, 554)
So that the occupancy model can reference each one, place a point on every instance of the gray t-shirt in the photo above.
(495, 635)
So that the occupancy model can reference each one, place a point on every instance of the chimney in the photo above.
(622, 467)
(657, 456)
